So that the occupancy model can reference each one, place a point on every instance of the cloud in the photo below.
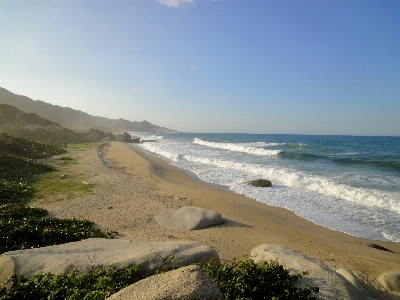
(176, 3)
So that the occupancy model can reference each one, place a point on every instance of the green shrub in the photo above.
(15, 175)
(14, 191)
(98, 284)
(23, 227)
(55, 135)
(19, 167)
(13, 145)
(244, 279)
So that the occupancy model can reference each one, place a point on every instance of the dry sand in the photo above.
(132, 186)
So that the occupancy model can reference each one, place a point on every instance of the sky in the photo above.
(248, 66)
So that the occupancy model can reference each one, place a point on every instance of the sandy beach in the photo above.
(132, 186)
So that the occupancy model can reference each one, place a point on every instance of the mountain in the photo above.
(75, 119)
(31, 126)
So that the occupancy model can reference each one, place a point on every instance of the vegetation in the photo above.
(50, 187)
(57, 135)
(10, 115)
(241, 279)
(24, 227)
(98, 284)
(83, 145)
(13, 145)
(18, 166)
(244, 279)
(31, 126)
(19, 170)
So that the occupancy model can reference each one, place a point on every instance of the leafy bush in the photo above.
(18, 166)
(14, 191)
(23, 227)
(13, 145)
(15, 175)
(56, 135)
(19, 212)
(241, 279)
(244, 279)
(98, 284)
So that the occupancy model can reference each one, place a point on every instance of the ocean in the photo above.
(347, 183)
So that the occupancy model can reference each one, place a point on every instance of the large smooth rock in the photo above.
(189, 218)
(354, 281)
(331, 284)
(106, 139)
(91, 253)
(127, 136)
(134, 139)
(190, 282)
(121, 138)
(390, 281)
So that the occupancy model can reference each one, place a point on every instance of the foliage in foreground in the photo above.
(241, 279)
(244, 279)
(98, 284)
(18, 166)
(24, 227)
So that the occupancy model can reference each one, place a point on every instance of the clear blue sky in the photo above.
(308, 67)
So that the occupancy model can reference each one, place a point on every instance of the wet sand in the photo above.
(132, 186)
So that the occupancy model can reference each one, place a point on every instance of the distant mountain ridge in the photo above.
(75, 119)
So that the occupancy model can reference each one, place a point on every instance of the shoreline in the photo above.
(225, 188)
(190, 174)
(136, 185)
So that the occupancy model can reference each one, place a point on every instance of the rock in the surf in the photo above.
(260, 183)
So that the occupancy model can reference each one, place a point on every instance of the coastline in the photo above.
(134, 186)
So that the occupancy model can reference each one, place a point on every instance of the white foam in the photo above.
(238, 148)
(391, 237)
(153, 147)
(296, 179)
(328, 199)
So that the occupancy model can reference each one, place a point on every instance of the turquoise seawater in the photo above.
(346, 183)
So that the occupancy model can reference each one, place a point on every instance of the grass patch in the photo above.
(84, 145)
(19, 166)
(61, 184)
(51, 187)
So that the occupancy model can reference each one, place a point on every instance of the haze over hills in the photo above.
(31, 126)
(75, 119)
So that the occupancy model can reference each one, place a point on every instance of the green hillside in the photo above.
(31, 126)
